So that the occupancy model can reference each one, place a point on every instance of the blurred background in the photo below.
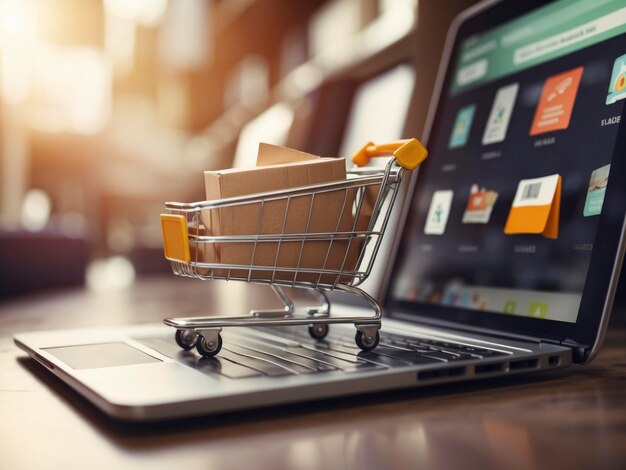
(108, 108)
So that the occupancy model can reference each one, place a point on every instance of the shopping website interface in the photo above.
(506, 210)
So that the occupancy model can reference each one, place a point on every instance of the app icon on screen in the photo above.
(556, 104)
(462, 126)
(509, 306)
(479, 205)
(536, 207)
(595, 191)
(500, 114)
(617, 85)
(438, 212)
(538, 309)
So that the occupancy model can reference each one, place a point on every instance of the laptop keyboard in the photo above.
(289, 351)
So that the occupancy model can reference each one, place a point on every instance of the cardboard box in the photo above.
(280, 168)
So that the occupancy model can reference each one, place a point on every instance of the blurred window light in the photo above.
(302, 80)
(341, 33)
(335, 22)
(119, 43)
(408, 7)
(172, 100)
(109, 274)
(271, 126)
(397, 18)
(121, 19)
(72, 91)
(249, 83)
(379, 110)
(341, 55)
(15, 16)
(36, 209)
(143, 12)
(18, 41)
(185, 37)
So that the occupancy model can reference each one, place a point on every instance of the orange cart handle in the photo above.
(409, 153)
(175, 237)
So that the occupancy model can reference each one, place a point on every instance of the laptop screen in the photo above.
(506, 211)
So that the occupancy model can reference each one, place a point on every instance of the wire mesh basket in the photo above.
(321, 237)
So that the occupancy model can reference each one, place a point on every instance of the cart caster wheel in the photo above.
(208, 350)
(318, 330)
(366, 343)
(186, 339)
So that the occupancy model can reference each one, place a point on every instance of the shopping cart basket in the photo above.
(343, 257)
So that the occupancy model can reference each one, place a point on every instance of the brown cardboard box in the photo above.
(281, 168)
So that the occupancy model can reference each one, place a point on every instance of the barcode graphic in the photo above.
(531, 191)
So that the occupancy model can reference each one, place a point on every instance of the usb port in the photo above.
(524, 364)
(488, 368)
(441, 373)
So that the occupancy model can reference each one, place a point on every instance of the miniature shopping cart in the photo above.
(342, 255)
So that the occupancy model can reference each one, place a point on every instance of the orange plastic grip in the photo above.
(408, 153)
(175, 237)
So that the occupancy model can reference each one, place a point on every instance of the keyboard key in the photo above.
(287, 351)
(292, 366)
(475, 352)
(398, 347)
(265, 367)
(389, 357)
(263, 347)
(349, 356)
(488, 353)
(384, 360)
(439, 356)
(207, 365)
(346, 366)
(396, 354)
(428, 344)
(222, 366)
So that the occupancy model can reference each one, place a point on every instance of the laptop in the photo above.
(507, 254)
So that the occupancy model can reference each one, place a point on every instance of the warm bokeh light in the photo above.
(271, 126)
(143, 12)
(113, 273)
(72, 90)
(18, 46)
(109, 108)
(35, 210)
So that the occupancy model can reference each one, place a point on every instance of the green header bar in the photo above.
(553, 31)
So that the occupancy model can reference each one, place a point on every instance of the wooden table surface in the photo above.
(572, 418)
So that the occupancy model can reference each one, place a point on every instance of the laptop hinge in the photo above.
(579, 351)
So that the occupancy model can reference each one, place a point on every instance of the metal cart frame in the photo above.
(186, 245)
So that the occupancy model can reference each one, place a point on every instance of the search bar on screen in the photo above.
(565, 39)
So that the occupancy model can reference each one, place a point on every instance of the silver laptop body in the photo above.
(139, 373)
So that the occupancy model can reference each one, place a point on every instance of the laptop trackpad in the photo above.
(95, 356)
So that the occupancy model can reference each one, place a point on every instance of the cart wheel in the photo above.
(366, 343)
(207, 350)
(186, 339)
(318, 330)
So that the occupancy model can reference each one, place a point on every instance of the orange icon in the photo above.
(557, 102)
(479, 205)
(536, 207)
